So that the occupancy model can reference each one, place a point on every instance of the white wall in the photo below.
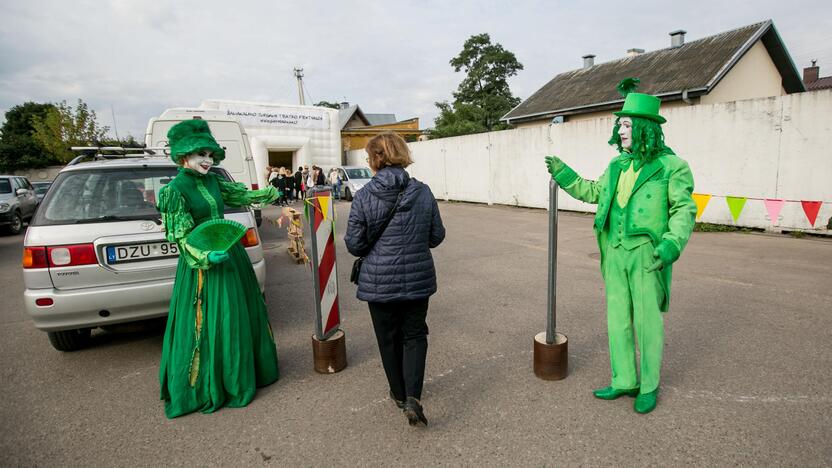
(776, 147)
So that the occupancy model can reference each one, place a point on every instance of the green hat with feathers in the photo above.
(191, 136)
(638, 104)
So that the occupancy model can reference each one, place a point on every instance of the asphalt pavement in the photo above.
(746, 377)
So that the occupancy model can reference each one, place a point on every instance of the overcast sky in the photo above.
(137, 58)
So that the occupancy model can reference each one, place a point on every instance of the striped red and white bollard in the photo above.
(328, 343)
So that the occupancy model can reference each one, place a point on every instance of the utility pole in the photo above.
(299, 76)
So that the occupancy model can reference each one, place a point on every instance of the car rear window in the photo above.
(5, 186)
(102, 195)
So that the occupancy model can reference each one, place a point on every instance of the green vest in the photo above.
(617, 235)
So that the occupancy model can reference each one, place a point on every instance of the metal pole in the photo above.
(299, 76)
(551, 315)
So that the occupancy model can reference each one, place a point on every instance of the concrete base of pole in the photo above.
(330, 355)
(551, 361)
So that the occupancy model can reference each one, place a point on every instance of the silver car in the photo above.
(353, 178)
(95, 253)
(17, 202)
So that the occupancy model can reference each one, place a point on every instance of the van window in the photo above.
(5, 186)
(233, 161)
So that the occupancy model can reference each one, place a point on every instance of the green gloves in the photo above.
(555, 165)
(665, 253)
(215, 257)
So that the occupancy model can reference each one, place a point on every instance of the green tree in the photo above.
(65, 126)
(18, 148)
(484, 95)
(331, 105)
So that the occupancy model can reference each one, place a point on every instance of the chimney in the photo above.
(677, 38)
(634, 52)
(344, 104)
(811, 74)
(589, 60)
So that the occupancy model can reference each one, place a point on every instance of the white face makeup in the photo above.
(626, 132)
(200, 162)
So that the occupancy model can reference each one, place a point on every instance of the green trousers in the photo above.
(634, 296)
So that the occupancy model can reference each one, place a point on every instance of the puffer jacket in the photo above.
(399, 267)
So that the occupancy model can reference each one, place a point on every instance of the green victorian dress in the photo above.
(218, 346)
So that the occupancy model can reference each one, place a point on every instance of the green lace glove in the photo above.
(555, 165)
(216, 257)
(665, 254)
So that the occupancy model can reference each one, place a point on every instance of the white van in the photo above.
(227, 131)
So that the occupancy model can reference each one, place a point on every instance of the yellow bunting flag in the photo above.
(324, 201)
(701, 200)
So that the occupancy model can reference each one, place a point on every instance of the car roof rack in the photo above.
(115, 152)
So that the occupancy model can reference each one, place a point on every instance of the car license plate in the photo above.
(139, 252)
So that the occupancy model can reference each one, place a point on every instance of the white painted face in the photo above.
(200, 161)
(625, 131)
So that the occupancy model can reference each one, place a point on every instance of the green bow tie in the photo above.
(627, 158)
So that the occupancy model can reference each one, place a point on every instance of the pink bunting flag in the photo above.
(773, 206)
(811, 209)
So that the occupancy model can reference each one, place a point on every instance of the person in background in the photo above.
(299, 185)
(279, 182)
(290, 184)
(320, 178)
(335, 182)
(397, 276)
(272, 173)
(310, 180)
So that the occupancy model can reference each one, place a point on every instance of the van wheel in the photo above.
(347, 194)
(16, 225)
(70, 340)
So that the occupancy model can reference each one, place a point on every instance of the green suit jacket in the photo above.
(660, 206)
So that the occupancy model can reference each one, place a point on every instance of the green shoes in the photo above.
(609, 393)
(646, 402)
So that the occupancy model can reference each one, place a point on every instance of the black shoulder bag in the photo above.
(356, 265)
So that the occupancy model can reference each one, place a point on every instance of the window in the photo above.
(5, 186)
(362, 173)
(107, 195)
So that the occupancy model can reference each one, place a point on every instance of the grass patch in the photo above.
(709, 227)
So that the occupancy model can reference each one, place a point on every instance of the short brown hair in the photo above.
(387, 149)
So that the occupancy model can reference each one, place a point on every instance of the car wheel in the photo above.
(16, 225)
(70, 340)
(347, 194)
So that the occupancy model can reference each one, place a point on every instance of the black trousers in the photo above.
(402, 336)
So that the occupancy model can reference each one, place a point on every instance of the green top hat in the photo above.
(638, 104)
(190, 136)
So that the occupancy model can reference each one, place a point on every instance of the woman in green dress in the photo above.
(218, 346)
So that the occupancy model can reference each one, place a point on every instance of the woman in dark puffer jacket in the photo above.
(397, 277)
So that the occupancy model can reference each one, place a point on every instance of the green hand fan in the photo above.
(216, 235)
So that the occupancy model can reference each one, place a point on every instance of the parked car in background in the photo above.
(40, 189)
(95, 253)
(17, 202)
(353, 178)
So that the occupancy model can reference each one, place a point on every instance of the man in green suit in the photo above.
(644, 219)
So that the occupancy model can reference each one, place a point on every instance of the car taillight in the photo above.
(34, 257)
(255, 186)
(71, 255)
(250, 239)
(44, 301)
